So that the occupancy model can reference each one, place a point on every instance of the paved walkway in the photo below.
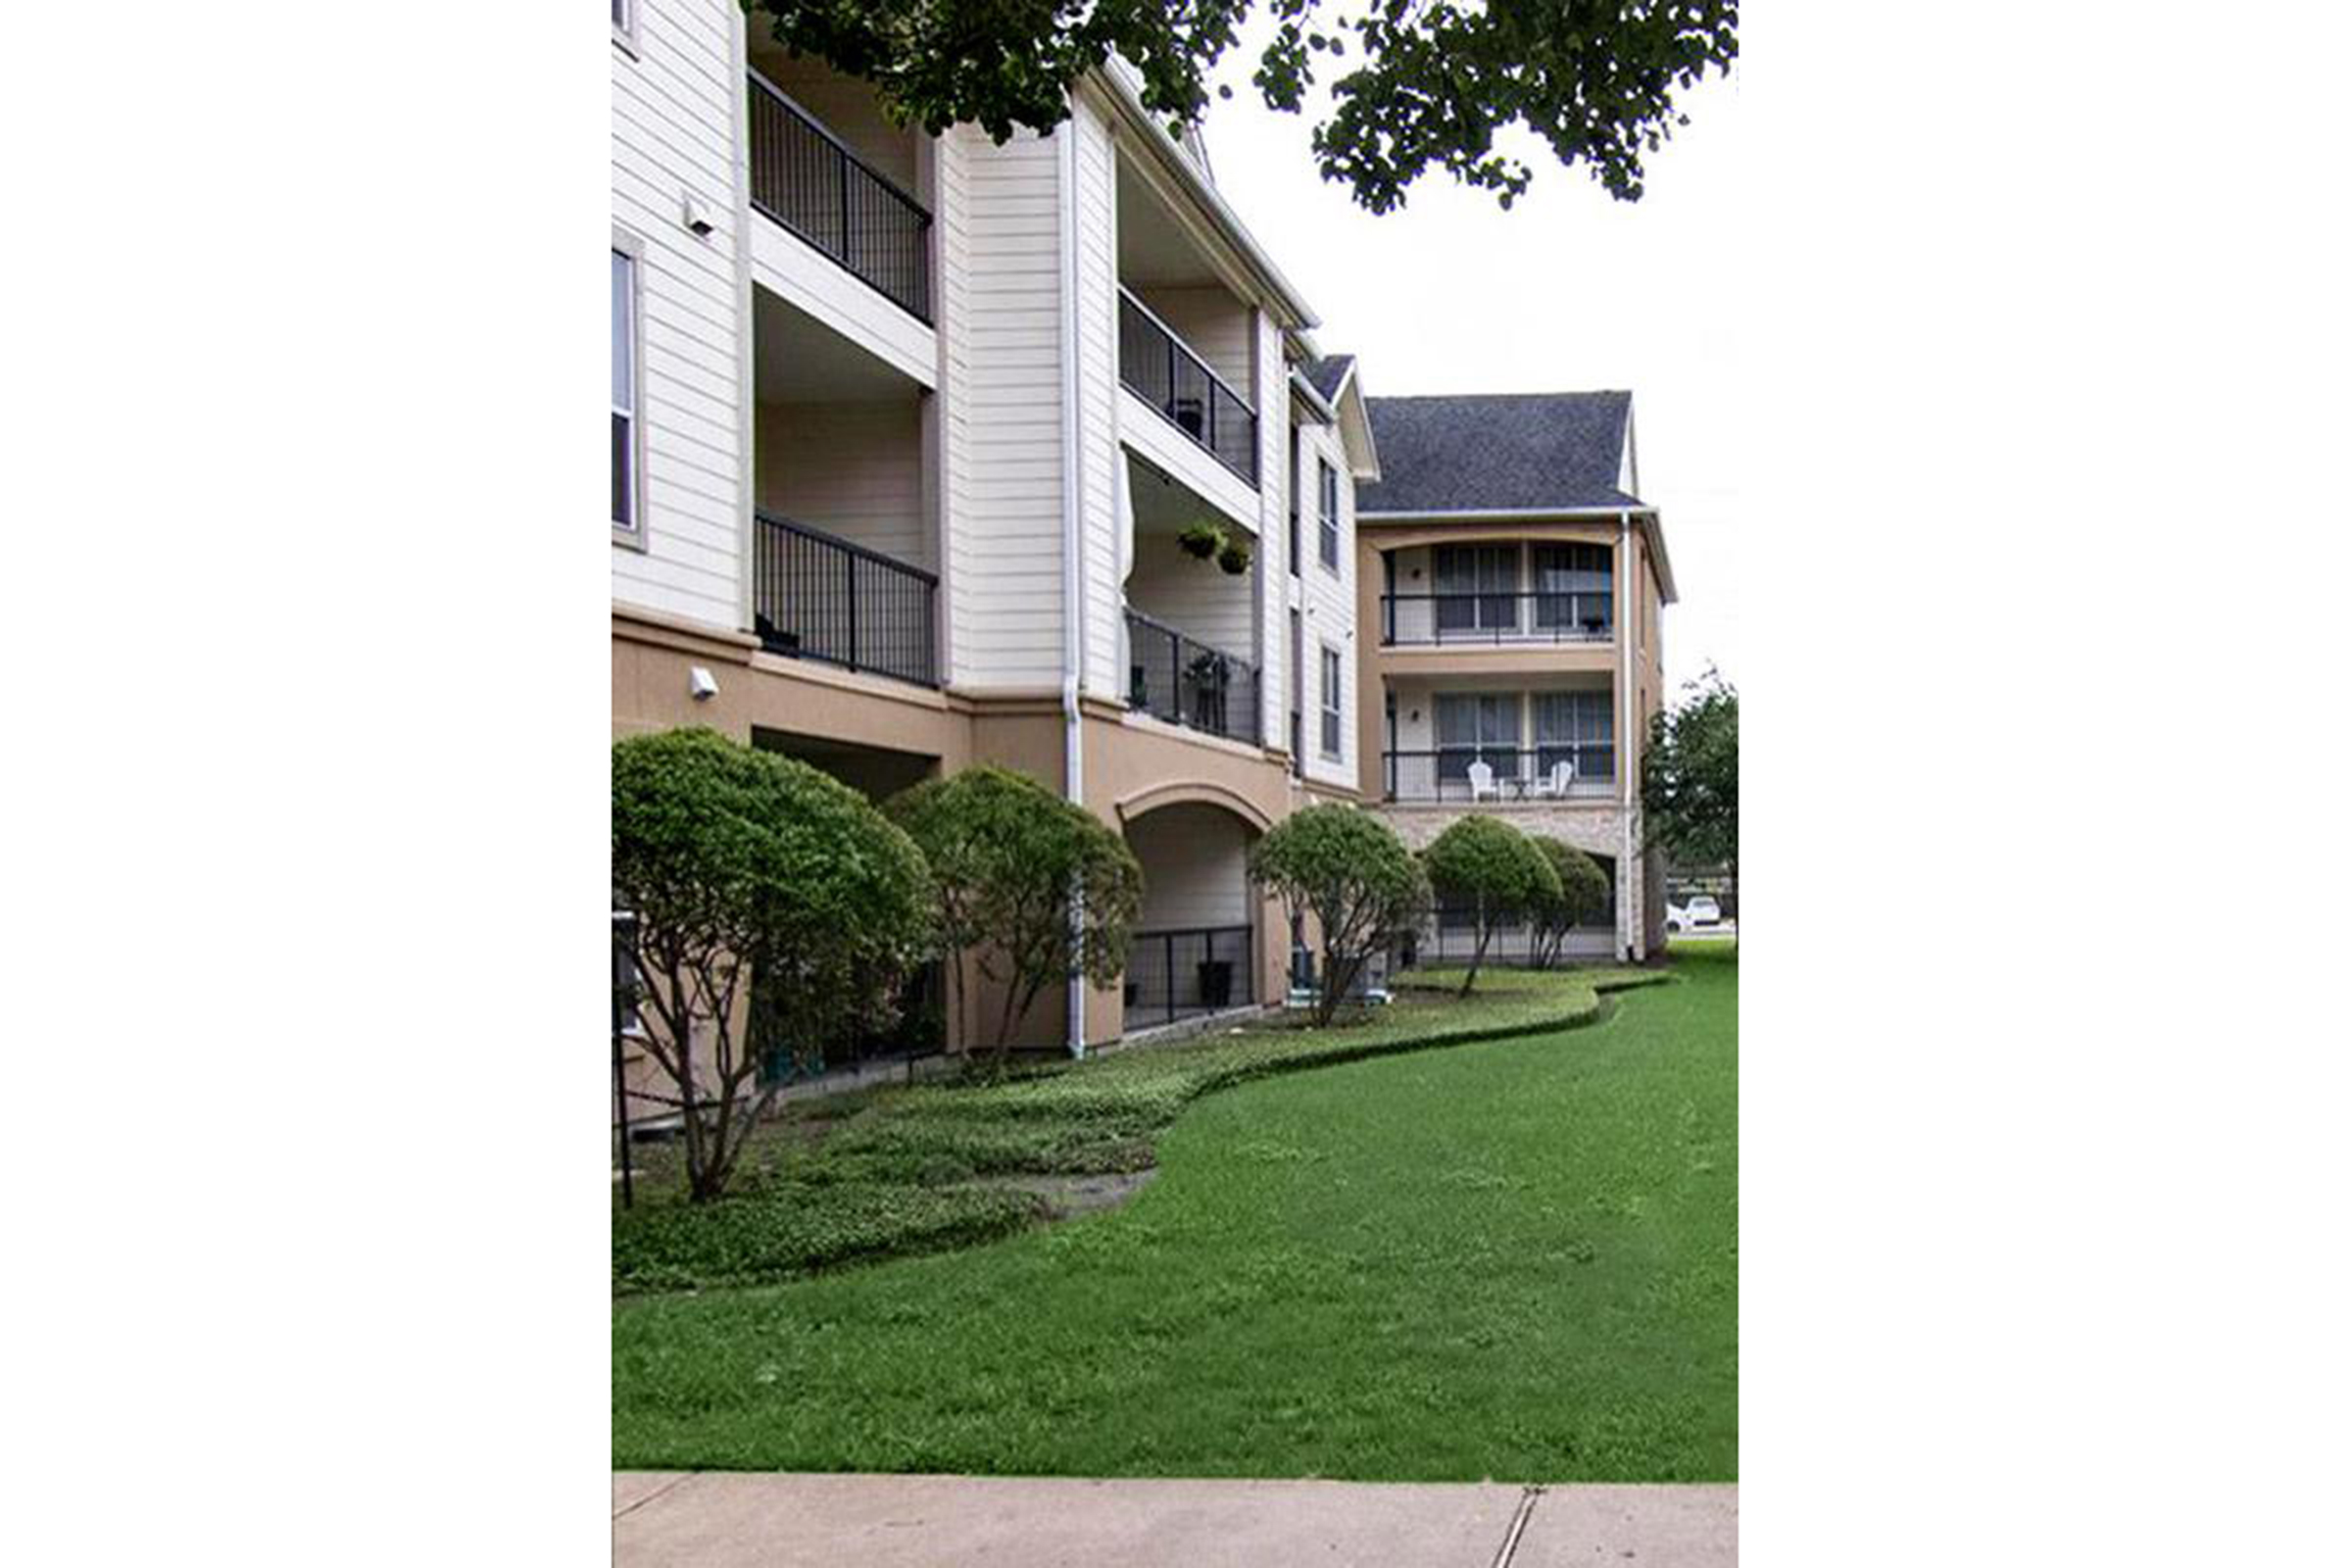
(725, 1520)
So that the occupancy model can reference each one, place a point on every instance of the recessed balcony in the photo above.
(807, 177)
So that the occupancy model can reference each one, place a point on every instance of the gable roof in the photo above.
(1499, 452)
(1326, 373)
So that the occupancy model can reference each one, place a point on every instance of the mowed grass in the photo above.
(1513, 1259)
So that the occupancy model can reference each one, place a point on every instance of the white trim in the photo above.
(630, 247)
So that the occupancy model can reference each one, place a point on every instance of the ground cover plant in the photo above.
(1514, 1259)
(915, 1169)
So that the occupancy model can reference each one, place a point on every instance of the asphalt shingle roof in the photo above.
(1497, 452)
(1324, 374)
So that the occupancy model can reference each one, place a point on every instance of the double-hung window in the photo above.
(1580, 728)
(627, 483)
(1477, 727)
(1477, 588)
(1330, 703)
(1327, 512)
(1573, 590)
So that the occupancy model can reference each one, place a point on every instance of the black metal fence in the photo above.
(1506, 617)
(1157, 367)
(1173, 677)
(918, 1030)
(814, 596)
(808, 179)
(1519, 773)
(1179, 974)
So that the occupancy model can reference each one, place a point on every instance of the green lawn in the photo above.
(1515, 1258)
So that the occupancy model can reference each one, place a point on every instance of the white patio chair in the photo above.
(1481, 783)
(1555, 784)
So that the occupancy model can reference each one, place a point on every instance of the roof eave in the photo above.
(1129, 104)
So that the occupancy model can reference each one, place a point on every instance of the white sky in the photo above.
(1570, 290)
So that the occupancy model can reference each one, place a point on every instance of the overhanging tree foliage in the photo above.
(1006, 855)
(1495, 869)
(737, 862)
(1583, 893)
(1413, 82)
(1690, 775)
(1354, 874)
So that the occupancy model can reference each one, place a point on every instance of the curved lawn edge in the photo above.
(911, 1176)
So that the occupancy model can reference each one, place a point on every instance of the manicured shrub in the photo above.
(1006, 857)
(737, 862)
(1354, 874)
(1584, 894)
(1495, 869)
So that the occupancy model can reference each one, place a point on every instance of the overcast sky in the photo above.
(1568, 291)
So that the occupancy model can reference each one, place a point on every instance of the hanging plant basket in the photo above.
(1234, 556)
(1202, 541)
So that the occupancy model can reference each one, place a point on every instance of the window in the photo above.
(1476, 727)
(1297, 673)
(1580, 728)
(626, 483)
(1295, 488)
(1331, 702)
(1327, 519)
(1478, 587)
(1573, 588)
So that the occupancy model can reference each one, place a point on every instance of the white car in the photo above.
(1700, 909)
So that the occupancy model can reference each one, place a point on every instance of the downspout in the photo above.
(1627, 622)
(1073, 595)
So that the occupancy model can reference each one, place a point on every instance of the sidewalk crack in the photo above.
(1519, 1518)
(659, 1492)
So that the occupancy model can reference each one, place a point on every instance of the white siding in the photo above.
(1330, 605)
(675, 111)
(1194, 867)
(1001, 291)
(1100, 454)
(850, 468)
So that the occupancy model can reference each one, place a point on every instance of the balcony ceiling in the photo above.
(797, 358)
(1152, 247)
(1164, 508)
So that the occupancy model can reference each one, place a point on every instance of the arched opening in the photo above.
(1196, 938)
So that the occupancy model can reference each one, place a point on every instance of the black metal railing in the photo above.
(1179, 974)
(1585, 616)
(1519, 773)
(1173, 677)
(807, 178)
(1158, 367)
(818, 597)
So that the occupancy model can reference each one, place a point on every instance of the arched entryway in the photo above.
(1195, 947)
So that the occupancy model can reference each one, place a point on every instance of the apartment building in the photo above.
(1512, 581)
(906, 430)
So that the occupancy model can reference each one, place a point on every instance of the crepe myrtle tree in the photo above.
(1007, 856)
(737, 862)
(1412, 84)
(1495, 869)
(1584, 894)
(1354, 874)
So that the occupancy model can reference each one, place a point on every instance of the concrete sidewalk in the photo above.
(728, 1520)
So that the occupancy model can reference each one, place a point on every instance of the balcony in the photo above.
(1156, 366)
(1182, 974)
(817, 596)
(805, 178)
(1498, 775)
(1494, 620)
(1181, 681)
